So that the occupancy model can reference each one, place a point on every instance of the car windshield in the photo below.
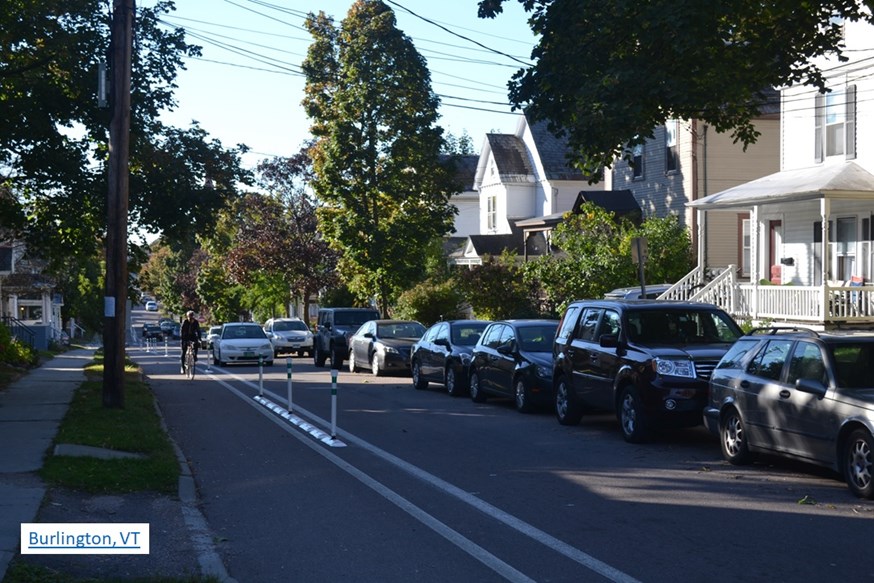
(287, 325)
(681, 327)
(243, 332)
(215, 329)
(468, 334)
(353, 318)
(854, 364)
(537, 338)
(400, 330)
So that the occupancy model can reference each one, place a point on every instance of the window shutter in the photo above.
(850, 129)
(819, 135)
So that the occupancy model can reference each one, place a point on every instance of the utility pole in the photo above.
(115, 298)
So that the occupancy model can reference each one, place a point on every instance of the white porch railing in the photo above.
(824, 304)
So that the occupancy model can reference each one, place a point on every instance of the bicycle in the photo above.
(189, 361)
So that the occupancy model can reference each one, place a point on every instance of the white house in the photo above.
(808, 235)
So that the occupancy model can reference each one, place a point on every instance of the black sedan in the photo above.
(152, 331)
(513, 358)
(443, 354)
(384, 345)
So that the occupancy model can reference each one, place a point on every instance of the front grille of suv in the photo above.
(704, 368)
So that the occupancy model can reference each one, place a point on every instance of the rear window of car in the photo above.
(537, 338)
(285, 326)
(734, 356)
(243, 332)
(681, 327)
(468, 334)
(854, 364)
(354, 318)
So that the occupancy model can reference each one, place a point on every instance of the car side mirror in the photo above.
(812, 386)
(368, 334)
(327, 325)
(442, 342)
(609, 340)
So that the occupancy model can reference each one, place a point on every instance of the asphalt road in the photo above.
(420, 486)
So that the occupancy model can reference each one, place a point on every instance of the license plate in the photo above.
(248, 355)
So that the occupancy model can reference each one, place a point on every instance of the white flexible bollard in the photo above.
(334, 403)
(261, 376)
(288, 371)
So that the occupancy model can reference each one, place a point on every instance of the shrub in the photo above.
(13, 352)
(430, 302)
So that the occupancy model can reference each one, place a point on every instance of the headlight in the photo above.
(543, 372)
(676, 368)
(465, 358)
(389, 349)
(266, 347)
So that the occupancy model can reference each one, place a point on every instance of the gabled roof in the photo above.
(510, 155)
(465, 170)
(844, 180)
(553, 152)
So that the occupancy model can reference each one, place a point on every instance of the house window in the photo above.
(491, 213)
(845, 248)
(835, 125)
(744, 247)
(637, 161)
(672, 129)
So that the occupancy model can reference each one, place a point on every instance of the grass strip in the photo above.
(135, 428)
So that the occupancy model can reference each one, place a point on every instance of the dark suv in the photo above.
(334, 328)
(800, 394)
(647, 360)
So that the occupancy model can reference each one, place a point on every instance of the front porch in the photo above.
(830, 305)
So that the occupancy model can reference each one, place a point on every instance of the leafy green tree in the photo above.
(606, 72)
(595, 255)
(383, 191)
(497, 289)
(54, 134)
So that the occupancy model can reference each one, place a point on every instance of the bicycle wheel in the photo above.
(189, 363)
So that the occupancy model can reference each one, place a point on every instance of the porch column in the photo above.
(754, 261)
(702, 247)
(825, 213)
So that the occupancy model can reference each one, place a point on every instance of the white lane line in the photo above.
(529, 530)
(456, 538)
(509, 520)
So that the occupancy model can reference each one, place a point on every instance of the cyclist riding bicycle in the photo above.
(190, 333)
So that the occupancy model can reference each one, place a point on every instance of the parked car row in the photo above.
(657, 364)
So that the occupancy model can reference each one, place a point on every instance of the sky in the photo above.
(247, 86)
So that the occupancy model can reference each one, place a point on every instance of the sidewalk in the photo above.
(31, 410)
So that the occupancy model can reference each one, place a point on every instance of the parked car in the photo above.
(635, 293)
(647, 360)
(513, 358)
(442, 355)
(241, 342)
(166, 325)
(212, 335)
(289, 335)
(800, 394)
(152, 331)
(176, 331)
(384, 345)
(151, 306)
(335, 327)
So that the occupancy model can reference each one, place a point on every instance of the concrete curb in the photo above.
(201, 537)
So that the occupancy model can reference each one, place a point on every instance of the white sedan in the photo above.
(241, 342)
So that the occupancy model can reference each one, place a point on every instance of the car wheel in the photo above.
(522, 396)
(567, 410)
(318, 358)
(733, 438)
(269, 362)
(859, 463)
(450, 379)
(275, 354)
(353, 367)
(632, 420)
(374, 365)
(476, 393)
(418, 382)
(301, 353)
(336, 359)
